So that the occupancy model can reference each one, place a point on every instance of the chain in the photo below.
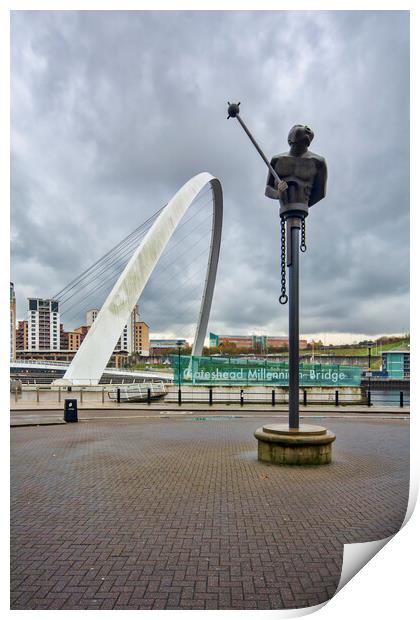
(303, 237)
(283, 297)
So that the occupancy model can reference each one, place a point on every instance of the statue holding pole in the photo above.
(297, 179)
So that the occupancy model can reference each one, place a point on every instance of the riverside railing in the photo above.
(273, 398)
(206, 395)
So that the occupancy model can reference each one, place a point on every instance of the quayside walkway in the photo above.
(176, 512)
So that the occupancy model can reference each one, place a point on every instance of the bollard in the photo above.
(210, 396)
(305, 397)
(401, 399)
(118, 395)
(336, 398)
(16, 394)
(149, 395)
(273, 398)
(242, 397)
(70, 410)
(103, 394)
(37, 394)
(369, 399)
(59, 394)
(179, 397)
(81, 395)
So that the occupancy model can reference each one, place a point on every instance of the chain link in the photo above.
(303, 237)
(283, 299)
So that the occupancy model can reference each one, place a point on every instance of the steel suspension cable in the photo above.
(128, 241)
(56, 296)
(111, 279)
(118, 263)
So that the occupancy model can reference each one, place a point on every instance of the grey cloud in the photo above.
(113, 111)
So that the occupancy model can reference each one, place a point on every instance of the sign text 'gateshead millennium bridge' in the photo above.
(236, 371)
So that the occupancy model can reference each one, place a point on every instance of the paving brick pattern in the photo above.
(179, 514)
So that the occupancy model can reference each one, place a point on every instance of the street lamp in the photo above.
(179, 344)
(369, 373)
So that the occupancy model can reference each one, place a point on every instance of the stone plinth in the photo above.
(306, 445)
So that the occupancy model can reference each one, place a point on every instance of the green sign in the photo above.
(196, 370)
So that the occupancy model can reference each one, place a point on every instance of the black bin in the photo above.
(70, 410)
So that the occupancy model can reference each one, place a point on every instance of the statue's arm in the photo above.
(270, 188)
(320, 183)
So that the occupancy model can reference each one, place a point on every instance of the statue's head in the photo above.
(300, 135)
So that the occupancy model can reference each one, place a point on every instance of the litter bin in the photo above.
(70, 410)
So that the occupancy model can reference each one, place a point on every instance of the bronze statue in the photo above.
(298, 180)
(304, 172)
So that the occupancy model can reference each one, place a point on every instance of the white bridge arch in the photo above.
(93, 355)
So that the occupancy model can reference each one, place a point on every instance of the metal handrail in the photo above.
(34, 362)
(137, 390)
(242, 397)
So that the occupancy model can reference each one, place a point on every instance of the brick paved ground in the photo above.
(177, 514)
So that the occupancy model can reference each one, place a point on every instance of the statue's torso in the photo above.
(305, 175)
(299, 173)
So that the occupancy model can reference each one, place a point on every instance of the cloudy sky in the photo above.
(113, 111)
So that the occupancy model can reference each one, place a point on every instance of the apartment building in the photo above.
(43, 325)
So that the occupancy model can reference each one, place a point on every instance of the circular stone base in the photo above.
(306, 445)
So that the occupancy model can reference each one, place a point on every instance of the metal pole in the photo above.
(293, 227)
(179, 376)
(233, 112)
(257, 146)
(179, 368)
